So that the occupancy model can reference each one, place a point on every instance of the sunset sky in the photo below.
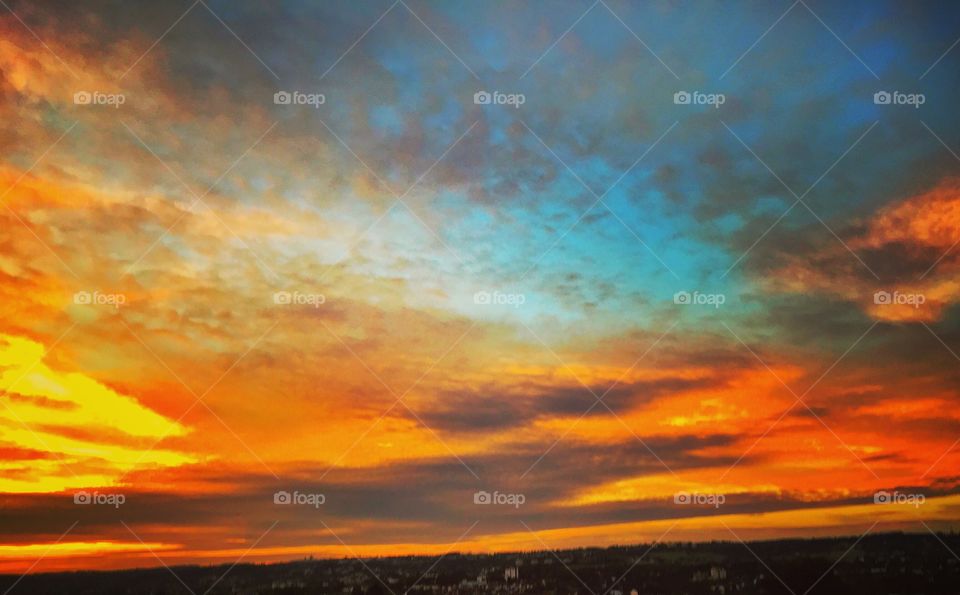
(396, 296)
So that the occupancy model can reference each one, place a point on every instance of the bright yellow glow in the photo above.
(38, 403)
(660, 487)
(76, 548)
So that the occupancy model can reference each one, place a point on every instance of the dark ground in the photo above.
(891, 563)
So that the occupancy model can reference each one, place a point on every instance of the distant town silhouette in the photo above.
(890, 563)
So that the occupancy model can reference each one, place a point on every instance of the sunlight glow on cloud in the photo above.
(107, 429)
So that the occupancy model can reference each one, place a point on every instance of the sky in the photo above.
(278, 280)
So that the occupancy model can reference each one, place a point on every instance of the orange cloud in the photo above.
(931, 219)
(913, 241)
(38, 400)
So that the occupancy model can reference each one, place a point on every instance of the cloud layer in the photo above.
(399, 296)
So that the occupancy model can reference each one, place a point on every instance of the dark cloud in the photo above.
(498, 408)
